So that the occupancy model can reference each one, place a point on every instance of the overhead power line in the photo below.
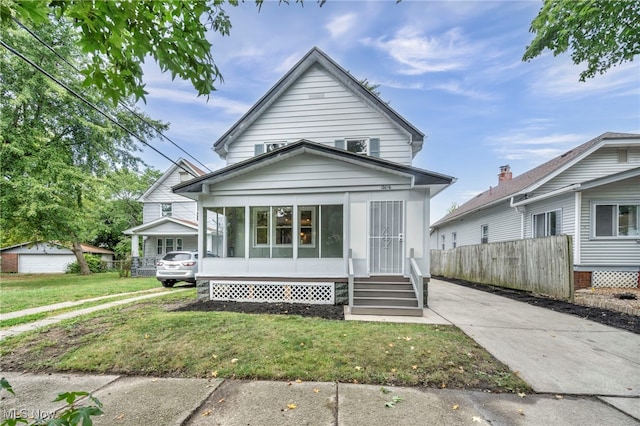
(122, 104)
(87, 102)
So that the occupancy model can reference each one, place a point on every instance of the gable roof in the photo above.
(421, 177)
(140, 229)
(317, 56)
(179, 163)
(533, 178)
(86, 248)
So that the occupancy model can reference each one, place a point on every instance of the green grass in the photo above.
(23, 291)
(149, 339)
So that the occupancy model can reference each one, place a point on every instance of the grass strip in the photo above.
(148, 338)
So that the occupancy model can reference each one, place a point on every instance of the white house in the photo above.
(43, 257)
(591, 192)
(318, 197)
(169, 221)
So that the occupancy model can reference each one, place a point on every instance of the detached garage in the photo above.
(44, 257)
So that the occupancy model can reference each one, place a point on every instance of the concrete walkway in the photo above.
(12, 331)
(70, 304)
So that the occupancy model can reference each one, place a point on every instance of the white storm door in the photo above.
(386, 237)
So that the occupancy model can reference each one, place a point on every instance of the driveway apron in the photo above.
(553, 352)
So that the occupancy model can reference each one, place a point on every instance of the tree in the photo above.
(120, 35)
(602, 33)
(453, 207)
(55, 151)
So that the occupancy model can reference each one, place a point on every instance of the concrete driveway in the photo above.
(553, 352)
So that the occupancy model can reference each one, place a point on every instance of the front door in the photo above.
(386, 235)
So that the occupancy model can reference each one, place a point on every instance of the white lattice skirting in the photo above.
(317, 293)
(615, 279)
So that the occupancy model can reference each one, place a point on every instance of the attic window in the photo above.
(358, 146)
(623, 155)
(272, 146)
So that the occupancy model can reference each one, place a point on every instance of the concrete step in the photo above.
(385, 301)
(386, 311)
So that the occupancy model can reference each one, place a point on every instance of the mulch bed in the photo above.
(329, 312)
(603, 316)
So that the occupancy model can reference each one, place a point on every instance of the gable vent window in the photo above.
(623, 155)
(261, 148)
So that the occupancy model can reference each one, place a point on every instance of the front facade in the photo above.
(591, 192)
(318, 191)
(169, 221)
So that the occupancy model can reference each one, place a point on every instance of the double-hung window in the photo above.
(454, 239)
(618, 220)
(484, 234)
(547, 223)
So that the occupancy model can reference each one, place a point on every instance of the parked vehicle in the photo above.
(177, 266)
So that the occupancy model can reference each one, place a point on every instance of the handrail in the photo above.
(351, 279)
(417, 280)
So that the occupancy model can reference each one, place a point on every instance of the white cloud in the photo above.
(560, 78)
(341, 25)
(421, 54)
(456, 88)
(228, 106)
(534, 149)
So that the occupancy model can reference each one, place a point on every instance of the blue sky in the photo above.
(451, 68)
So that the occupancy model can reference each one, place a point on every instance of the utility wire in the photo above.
(88, 103)
(122, 104)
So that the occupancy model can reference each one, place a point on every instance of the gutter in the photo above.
(570, 188)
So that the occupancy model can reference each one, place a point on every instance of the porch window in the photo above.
(307, 225)
(159, 251)
(616, 220)
(169, 245)
(166, 209)
(231, 219)
(546, 224)
(323, 224)
(179, 244)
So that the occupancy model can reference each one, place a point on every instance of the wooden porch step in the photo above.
(409, 302)
(386, 311)
(375, 292)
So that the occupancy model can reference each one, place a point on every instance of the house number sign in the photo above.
(385, 187)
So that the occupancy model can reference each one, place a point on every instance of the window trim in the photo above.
(484, 236)
(616, 224)
(547, 223)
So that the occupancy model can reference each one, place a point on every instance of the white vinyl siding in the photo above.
(310, 172)
(318, 108)
(601, 163)
(612, 250)
(182, 210)
(503, 221)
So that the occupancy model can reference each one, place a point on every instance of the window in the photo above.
(442, 242)
(260, 222)
(358, 146)
(159, 251)
(168, 245)
(179, 244)
(283, 224)
(616, 220)
(548, 223)
(484, 234)
(623, 155)
(272, 146)
(454, 239)
(307, 224)
(165, 209)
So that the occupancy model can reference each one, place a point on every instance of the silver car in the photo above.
(177, 266)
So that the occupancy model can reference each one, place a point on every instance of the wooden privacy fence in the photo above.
(538, 265)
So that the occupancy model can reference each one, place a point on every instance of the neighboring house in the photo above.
(591, 192)
(318, 191)
(169, 221)
(45, 257)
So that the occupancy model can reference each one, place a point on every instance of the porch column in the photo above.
(135, 246)
(426, 246)
(202, 233)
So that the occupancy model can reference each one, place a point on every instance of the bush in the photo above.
(96, 264)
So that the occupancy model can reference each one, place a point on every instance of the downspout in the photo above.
(577, 221)
(517, 208)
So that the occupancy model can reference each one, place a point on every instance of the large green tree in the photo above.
(55, 151)
(120, 35)
(598, 33)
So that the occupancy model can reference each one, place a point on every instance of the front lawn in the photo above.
(22, 291)
(151, 338)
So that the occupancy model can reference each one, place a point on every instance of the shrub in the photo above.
(96, 264)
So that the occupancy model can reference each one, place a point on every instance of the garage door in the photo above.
(40, 263)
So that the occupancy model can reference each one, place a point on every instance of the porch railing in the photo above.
(417, 279)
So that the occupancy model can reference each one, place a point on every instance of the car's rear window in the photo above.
(177, 256)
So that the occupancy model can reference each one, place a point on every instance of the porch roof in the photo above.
(420, 177)
(190, 227)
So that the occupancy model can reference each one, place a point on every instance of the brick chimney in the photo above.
(505, 174)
